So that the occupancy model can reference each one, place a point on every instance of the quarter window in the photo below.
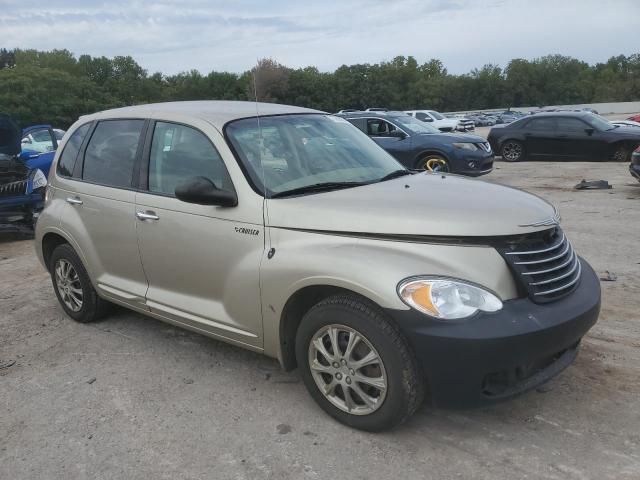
(111, 152)
(69, 155)
(179, 153)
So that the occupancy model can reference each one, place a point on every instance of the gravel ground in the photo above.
(133, 398)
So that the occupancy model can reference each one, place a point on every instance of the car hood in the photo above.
(448, 138)
(9, 136)
(422, 204)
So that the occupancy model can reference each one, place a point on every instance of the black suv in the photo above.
(418, 145)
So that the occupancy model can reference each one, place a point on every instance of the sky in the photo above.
(174, 36)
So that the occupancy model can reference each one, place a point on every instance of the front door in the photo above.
(387, 136)
(201, 262)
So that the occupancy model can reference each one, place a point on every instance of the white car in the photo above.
(625, 123)
(436, 119)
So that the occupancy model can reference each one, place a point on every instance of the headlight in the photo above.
(447, 299)
(465, 146)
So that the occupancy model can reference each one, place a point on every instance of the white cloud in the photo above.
(213, 35)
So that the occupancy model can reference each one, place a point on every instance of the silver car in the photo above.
(289, 232)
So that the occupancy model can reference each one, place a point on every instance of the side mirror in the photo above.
(202, 191)
(589, 131)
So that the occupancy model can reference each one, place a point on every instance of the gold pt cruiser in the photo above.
(289, 232)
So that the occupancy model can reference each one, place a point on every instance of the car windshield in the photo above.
(436, 115)
(600, 123)
(412, 125)
(289, 153)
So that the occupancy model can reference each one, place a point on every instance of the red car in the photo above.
(635, 118)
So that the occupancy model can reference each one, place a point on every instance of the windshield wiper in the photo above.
(395, 174)
(317, 187)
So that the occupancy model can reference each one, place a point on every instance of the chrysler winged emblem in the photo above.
(547, 222)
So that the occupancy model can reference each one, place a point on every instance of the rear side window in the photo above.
(542, 124)
(179, 153)
(111, 153)
(70, 153)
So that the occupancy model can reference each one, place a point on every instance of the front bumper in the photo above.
(494, 356)
(473, 164)
(634, 169)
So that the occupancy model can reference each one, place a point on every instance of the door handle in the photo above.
(147, 216)
(74, 201)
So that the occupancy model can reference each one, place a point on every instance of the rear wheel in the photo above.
(73, 287)
(512, 151)
(433, 163)
(356, 364)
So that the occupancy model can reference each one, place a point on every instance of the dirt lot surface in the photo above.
(133, 398)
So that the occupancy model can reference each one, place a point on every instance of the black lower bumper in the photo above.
(494, 356)
(634, 169)
(473, 165)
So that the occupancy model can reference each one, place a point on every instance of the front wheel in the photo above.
(357, 365)
(433, 163)
(512, 151)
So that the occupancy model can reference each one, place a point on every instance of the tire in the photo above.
(621, 154)
(433, 163)
(73, 287)
(512, 151)
(396, 370)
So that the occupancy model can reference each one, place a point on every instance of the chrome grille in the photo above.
(13, 188)
(545, 263)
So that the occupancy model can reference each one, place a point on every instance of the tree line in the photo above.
(57, 87)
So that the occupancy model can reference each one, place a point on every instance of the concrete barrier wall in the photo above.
(603, 108)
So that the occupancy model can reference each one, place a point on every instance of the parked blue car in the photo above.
(25, 159)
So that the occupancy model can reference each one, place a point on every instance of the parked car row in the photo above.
(25, 159)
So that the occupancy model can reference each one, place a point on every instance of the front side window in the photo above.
(69, 155)
(571, 125)
(424, 117)
(376, 127)
(111, 153)
(38, 141)
(436, 115)
(288, 152)
(179, 153)
(414, 126)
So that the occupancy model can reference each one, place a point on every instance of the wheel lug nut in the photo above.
(336, 365)
(348, 380)
(351, 371)
(339, 376)
(343, 361)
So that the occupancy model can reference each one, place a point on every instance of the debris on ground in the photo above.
(609, 276)
(91, 380)
(6, 364)
(593, 185)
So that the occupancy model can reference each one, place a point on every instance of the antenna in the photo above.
(265, 202)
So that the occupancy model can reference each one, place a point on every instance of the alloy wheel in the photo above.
(347, 369)
(68, 285)
(512, 151)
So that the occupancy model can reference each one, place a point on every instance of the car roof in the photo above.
(392, 113)
(562, 114)
(216, 112)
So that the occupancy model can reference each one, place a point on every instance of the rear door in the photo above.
(98, 190)
(202, 261)
(541, 138)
